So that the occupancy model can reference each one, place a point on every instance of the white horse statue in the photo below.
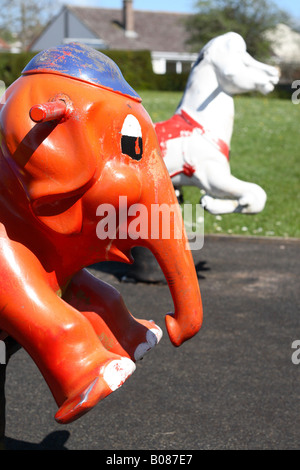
(195, 142)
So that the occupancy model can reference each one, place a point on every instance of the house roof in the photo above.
(156, 31)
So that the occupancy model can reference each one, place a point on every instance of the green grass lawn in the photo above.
(265, 150)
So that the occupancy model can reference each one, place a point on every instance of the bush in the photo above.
(136, 66)
(11, 65)
(170, 82)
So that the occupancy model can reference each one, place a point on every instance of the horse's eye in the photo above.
(131, 140)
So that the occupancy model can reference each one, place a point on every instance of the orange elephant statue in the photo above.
(75, 137)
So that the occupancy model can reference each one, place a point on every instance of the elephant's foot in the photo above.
(134, 340)
(152, 338)
(119, 332)
(109, 378)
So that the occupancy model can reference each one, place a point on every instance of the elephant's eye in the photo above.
(131, 140)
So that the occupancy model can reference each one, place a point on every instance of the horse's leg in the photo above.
(227, 194)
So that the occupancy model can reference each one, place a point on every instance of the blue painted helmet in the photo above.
(83, 63)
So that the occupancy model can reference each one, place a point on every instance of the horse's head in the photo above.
(236, 70)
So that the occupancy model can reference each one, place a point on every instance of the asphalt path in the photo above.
(233, 386)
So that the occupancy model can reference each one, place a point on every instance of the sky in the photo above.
(181, 6)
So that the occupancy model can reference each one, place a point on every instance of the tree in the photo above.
(24, 19)
(250, 18)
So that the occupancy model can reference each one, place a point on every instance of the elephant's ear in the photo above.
(61, 212)
(59, 168)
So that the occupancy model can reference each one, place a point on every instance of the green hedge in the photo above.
(136, 67)
(170, 82)
(11, 65)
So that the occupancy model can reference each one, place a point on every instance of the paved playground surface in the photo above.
(233, 386)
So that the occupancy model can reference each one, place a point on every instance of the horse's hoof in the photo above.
(203, 202)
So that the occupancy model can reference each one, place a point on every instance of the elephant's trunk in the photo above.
(175, 259)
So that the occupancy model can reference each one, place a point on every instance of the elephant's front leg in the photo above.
(228, 194)
(114, 325)
(78, 369)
